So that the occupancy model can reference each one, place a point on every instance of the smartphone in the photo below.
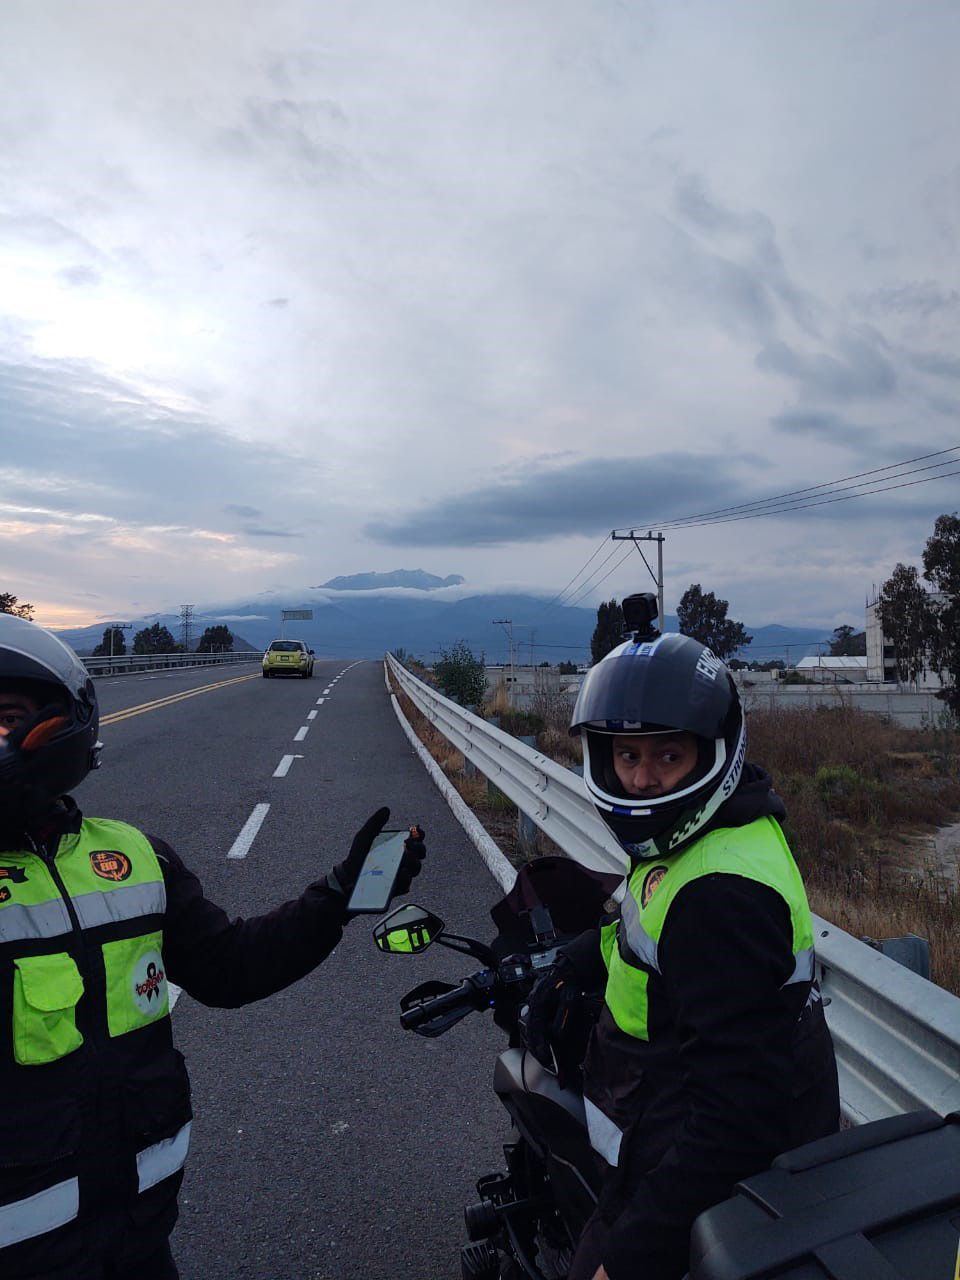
(374, 886)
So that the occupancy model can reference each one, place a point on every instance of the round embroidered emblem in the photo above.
(109, 864)
(651, 883)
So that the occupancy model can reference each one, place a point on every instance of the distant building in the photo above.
(824, 669)
(881, 660)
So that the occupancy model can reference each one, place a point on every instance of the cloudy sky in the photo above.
(327, 286)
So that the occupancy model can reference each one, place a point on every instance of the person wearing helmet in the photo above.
(96, 919)
(711, 1054)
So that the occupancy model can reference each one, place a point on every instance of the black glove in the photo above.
(344, 875)
(544, 1018)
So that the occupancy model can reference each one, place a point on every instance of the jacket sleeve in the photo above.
(725, 953)
(226, 963)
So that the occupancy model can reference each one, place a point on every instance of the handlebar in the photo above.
(466, 997)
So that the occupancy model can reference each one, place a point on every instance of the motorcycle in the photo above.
(886, 1194)
(529, 1216)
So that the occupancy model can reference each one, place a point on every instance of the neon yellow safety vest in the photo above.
(81, 944)
(757, 851)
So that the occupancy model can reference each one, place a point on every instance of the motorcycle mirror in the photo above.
(407, 930)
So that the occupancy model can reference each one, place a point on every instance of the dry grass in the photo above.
(863, 800)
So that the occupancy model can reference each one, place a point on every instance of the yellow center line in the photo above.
(173, 697)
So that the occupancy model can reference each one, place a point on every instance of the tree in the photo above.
(609, 631)
(567, 668)
(461, 676)
(848, 643)
(216, 640)
(10, 604)
(119, 646)
(155, 639)
(907, 620)
(704, 617)
(941, 566)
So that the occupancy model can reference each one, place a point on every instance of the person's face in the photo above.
(15, 710)
(653, 764)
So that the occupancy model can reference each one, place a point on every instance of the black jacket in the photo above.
(735, 1071)
(86, 1115)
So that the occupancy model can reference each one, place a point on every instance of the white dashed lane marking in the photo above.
(241, 846)
(283, 768)
(301, 733)
(311, 715)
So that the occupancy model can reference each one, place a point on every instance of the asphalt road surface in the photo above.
(327, 1142)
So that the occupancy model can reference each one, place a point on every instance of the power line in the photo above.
(805, 506)
(603, 543)
(707, 517)
(590, 588)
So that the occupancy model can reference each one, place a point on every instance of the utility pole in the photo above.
(636, 539)
(508, 622)
(114, 627)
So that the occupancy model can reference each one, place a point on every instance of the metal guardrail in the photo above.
(897, 1036)
(129, 663)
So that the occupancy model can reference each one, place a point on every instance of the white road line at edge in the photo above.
(241, 846)
(301, 733)
(283, 767)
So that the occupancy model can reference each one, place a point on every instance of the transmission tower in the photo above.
(186, 626)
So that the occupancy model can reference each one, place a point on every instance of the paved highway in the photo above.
(327, 1142)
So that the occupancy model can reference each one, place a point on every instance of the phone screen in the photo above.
(375, 882)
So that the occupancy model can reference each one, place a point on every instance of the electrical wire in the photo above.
(564, 590)
(820, 490)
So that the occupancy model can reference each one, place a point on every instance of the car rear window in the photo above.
(286, 646)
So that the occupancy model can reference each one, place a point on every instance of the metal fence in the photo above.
(130, 663)
(897, 1035)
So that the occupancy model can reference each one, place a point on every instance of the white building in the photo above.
(881, 661)
(823, 669)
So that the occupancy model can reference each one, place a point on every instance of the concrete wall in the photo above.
(912, 710)
(921, 710)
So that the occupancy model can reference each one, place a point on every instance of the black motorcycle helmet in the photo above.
(58, 745)
(652, 686)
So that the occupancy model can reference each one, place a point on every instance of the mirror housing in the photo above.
(407, 930)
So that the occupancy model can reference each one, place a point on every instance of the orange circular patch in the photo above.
(651, 884)
(109, 864)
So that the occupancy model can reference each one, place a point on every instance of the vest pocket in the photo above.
(45, 994)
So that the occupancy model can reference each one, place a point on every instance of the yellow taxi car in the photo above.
(288, 657)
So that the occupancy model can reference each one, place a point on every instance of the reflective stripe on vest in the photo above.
(163, 1158)
(39, 1213)
(757, 851)
(103, 890)
(605, 1136)
(43, 920)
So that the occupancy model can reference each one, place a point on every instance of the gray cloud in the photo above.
(80, 276)
(253, 531)
(588, 498)
(941, 366)
(761, 280)
(923, 298)
(824, 425)
(859, 370)
(80, 442)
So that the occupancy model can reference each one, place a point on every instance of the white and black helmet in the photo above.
(56, 749)
(652, 686)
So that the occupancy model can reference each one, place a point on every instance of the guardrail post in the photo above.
(526, 827)
(910, 951)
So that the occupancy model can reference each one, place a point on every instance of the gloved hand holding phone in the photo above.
(344, 876)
